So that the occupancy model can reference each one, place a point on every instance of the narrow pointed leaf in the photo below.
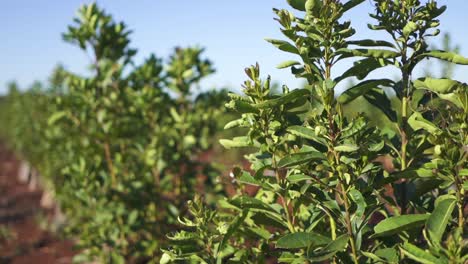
(447, 56)
(370, 53)
(246, 202)
(371, 43)
(397, 224)
(419, 255)
(283, 45)
(286, 98)
(301, 240)
(297, 4)
(300, 158)
(417, 122)
(295, 178)
(439, 218)
(362, 68)
(362, 88)
(346, 148)
(350, 4)
(330, 250)
(236, 142)
(442, 86)
(287, 64)
(306, 132)
(242, 107)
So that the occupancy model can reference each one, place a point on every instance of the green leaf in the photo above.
(389, 254)
(397, 224)
(346, 148)
(300, 158)
(358, 199)
(362, 88)
(369, 53)
(301, 240)
(236, 142)
(446, 56)
(350, 4)
(456, 99)
(245, 177)
(55, 117)
(234, 123)
(312, 7)
(442, 86)
(297, 4)
(379, 99)
(183, 236)
(246, 202)
(287, 64)
(283, 45)
(233, 226)
(242, 107)
(417, 254)
(285, 98)
(362, 68)
(371, 43)
(330, 250)
(295, 178)
(165, 259)
(268, 219)
(417, 122)
(307, 133)
(439, 218)
(409, 28)
(261, 232)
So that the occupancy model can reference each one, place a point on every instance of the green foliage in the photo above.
(125, 149)
(126, 146)
(321, 188)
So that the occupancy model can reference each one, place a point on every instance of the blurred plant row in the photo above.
(375, 174)
(122, 148)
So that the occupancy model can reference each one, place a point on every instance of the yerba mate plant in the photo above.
(323, 195)
(129, 137)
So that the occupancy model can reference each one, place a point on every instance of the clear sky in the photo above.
(233, 33)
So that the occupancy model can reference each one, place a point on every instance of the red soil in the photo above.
(21, 238)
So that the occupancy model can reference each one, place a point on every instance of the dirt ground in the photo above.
(22, 240)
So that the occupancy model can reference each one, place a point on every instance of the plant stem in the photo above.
(404, 121)
(348, 225)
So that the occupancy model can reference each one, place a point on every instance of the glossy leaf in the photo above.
(297, 4)
(370, 53)
(447, 56)
(417, 122)
(371, 43)
(325, 253)
(301, 240)
(419, 255)
(287, 64)
(236, 142)
(362, 88)
(283, 45)
(397, 224)
(300, 158)
(442, 86)
(307, 133)
(437, 222)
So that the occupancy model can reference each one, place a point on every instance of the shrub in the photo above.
(123, 143)
(322, 193)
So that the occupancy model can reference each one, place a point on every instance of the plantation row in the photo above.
(128, 149)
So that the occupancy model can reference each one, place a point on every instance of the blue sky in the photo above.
(233, 33)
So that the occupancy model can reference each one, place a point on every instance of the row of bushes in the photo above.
(125, 147)
(122, 146)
